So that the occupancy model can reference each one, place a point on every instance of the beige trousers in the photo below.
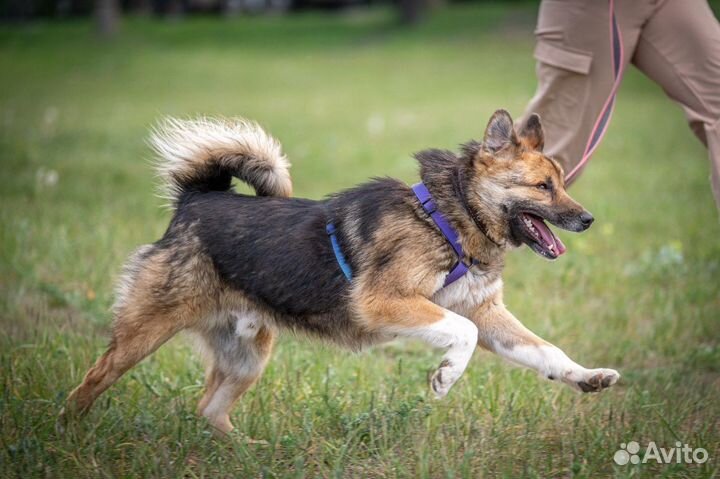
(674, 42)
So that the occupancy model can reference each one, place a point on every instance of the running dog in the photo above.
(367, 265)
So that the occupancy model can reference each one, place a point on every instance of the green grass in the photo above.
(350, 97)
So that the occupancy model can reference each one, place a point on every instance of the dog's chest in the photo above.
(468, 292)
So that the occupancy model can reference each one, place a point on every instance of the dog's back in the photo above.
(275, 250)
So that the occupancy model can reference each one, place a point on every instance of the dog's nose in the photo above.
(586, 219)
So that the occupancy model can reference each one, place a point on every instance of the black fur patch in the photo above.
(276, 250)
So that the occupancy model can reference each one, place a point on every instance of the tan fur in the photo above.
(496, 324)
(498, 180)
(158, 298)
(213, 378)
(223, 388)
(380, 310)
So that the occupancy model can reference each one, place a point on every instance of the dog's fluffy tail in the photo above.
(204, 154)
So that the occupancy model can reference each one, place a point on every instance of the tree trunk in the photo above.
(143, 7)
(411, 11)
(107, 17)
(169, 8)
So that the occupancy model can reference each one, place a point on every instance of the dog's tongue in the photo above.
(547, 235)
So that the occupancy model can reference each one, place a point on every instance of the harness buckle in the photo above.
(429, 206)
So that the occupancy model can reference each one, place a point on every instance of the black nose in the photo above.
(586, 219)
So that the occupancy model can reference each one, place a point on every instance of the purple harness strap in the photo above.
(451, 236)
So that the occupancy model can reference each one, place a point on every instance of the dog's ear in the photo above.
(499, 133)
(531, 134)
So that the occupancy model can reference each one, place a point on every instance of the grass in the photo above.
(351, 97)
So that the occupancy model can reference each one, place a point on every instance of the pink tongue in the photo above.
(547, 236)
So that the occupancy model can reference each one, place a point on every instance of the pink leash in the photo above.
(601, 124)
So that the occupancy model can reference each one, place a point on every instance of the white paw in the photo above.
(595, 380)
(443, 379)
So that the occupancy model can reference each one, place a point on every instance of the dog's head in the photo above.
(514, 188)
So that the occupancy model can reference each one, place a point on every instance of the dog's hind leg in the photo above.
(213, 379)
(238, 353)
(159, 296)
(133, 339)
(503, 334)
(418, 317)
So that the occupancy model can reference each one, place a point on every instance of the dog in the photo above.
(361, 267)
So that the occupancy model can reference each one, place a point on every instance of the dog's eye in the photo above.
(542, 186)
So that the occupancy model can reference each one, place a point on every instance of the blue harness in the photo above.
(448, 232)
(339, 256)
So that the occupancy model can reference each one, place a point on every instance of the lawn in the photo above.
(350, 96)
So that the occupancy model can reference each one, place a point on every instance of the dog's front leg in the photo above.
(502, 333)
(417, 317)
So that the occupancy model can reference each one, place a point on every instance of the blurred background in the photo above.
(108, 12)
(351, 88)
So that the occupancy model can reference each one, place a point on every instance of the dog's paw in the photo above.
(597, 379)
(440, 388)
(443, 379)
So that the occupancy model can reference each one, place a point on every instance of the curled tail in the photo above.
(204, 154)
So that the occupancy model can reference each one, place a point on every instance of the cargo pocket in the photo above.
(561, 57)
(563, 82)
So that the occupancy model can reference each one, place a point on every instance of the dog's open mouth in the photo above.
(540, 237)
